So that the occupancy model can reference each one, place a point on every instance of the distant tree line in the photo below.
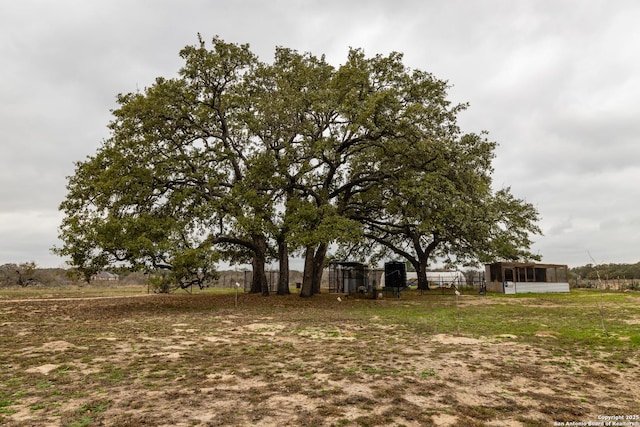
(606, 271)
(18, 274)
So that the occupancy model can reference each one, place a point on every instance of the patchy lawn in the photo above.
(434, 359)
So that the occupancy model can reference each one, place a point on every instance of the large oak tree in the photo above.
(240, 160)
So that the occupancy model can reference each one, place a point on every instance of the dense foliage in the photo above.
(243, 161)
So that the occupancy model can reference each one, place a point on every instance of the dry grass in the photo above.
(187, 360)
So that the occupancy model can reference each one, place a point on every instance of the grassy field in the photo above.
(119, 357)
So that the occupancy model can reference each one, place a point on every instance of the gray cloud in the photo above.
(556, 84)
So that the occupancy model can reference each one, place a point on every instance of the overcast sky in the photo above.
(556, 84)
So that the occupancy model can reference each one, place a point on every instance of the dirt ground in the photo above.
(188, 360)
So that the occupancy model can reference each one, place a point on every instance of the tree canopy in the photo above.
(244, 161)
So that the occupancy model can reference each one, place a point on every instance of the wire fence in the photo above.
(615, 284)
(467, 281)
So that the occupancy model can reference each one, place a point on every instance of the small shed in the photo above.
(525, 277)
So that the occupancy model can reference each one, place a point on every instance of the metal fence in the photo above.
(469, 281)
(272, 280)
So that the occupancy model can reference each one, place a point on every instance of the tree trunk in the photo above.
(283, 261)
(318, 266)
(421, 272)
(313, 269)
(259, 283)
(307, 278)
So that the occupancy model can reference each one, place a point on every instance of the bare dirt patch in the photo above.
(185, 360)
(43, 369)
